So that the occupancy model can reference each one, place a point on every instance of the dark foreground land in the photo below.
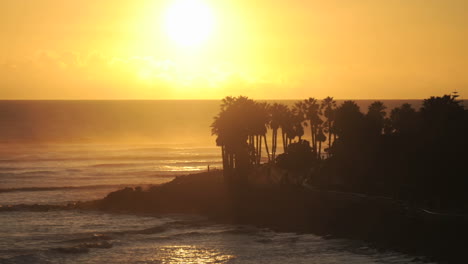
(384, 223)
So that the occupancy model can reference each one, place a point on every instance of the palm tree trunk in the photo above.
(273, 144)
(266, 148)
(225, 167)
(316, 138)
(320, 150)
(252, 141)
(256, 149)
(231, 161)
(329, 134)
(223, 154)
(274, 147)
(253, 150)
(285, 143)
(313, 137)
(259, 138)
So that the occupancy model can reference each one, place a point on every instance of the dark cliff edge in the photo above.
(384, 223)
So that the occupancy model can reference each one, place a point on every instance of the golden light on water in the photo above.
(192, 254)
(189, 23)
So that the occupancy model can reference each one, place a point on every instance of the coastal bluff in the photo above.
(384, 223)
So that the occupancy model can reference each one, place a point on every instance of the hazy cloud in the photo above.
(49, 74)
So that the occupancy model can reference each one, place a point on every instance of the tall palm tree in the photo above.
(232, 133)
(403, 119)
(441, 114)
(297, 118)
(311, 112)
(320, 138)
(328, 108)
(348, 120)
(285, 122)
(216, 128)
(277, 115)
(260, 119)
(376, 115)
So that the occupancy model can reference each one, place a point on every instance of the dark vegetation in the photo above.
(418, 156)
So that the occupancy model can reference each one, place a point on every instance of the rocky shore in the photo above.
(384, 223)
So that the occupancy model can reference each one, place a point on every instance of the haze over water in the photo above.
(178, 122)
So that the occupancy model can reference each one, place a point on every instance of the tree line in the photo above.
(408, 153)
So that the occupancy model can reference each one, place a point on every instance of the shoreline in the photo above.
(295, 209)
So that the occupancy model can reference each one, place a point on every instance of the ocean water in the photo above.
(60, 174)
(51, 157)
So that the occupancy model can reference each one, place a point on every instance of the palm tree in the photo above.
(348, 120)
(297, 117)
(259, 120)
(328, 108)
(232, 133)
(277, 115)
(311, 112)
(403, 119)
(376, 115)
(320, 138)
(241, 128)
(265, 121)
(442, 114)
(286, 125)
(216, 128)
(440, 106)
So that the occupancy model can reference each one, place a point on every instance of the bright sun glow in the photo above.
(189, 22)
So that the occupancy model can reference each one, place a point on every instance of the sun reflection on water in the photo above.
(192, 254)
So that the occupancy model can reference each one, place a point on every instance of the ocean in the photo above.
(58, 152)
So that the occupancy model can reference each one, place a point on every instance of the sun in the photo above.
(189, 23)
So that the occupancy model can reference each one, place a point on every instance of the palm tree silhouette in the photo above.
(297, 119)
(320, 138)
(403, 119)
(310, 110)
(328, 108)
(277, 117)
(232, 127)
(414, 145)
(376, 115)
(348, 118)
(286, 125)
(258, 122)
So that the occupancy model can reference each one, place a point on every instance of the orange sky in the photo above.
(271, 49)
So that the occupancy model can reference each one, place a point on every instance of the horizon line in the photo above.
(266, 99)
